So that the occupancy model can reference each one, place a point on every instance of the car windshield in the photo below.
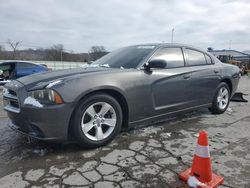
(128, 57)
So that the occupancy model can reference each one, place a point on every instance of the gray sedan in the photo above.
(131, 86)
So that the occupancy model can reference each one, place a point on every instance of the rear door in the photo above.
(205, 76)
(171, 84)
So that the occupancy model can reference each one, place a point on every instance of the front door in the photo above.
(170, 86)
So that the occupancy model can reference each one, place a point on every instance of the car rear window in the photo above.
(195, 57)
(173, 57)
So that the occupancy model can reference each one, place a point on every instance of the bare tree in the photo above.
(96, 52)
(54, 53)
(57, 47)
(14, 46)
(2, 49)
(210, 49)
(95, 49)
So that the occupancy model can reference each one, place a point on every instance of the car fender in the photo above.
(100, 88)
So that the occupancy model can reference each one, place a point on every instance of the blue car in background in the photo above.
(11, 70)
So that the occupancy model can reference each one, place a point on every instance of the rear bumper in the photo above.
(235, 82)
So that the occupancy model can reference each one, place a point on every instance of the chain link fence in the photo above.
(56, 65)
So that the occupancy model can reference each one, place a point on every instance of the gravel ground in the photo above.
(146, 157)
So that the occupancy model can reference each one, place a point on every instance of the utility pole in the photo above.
(230, 42)
(62, 58)
(61, 54)
(172, 36)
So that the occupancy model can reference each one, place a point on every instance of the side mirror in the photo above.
(1, 72)
(157, 63)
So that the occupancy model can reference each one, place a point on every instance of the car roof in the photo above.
(16, 61)
(158, 45)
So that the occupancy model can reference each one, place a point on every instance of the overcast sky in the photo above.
(80, 24)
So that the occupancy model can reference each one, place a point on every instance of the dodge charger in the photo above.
(131, 86)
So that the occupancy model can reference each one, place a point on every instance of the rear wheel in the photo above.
(97, 120)
(221, 99)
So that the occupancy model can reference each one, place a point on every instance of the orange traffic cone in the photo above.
(201, 175)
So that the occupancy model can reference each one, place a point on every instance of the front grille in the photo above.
(14, 104)
(10, 100)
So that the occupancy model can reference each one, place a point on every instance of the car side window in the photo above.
(208, 59)
(5, 67)
(24, 65)
(173, 57)
(195, 57)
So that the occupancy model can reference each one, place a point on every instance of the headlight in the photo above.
(46, 96)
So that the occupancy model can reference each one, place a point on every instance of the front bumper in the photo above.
(45, 123)
(42, 123)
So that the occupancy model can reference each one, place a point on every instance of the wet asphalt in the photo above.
(147, 157)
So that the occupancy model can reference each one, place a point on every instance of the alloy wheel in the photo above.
(223, 98)
(98, 121)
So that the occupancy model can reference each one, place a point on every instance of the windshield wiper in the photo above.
(95, 65)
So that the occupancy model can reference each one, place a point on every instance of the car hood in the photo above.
(43, 79)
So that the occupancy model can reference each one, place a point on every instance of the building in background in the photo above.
(231, 54)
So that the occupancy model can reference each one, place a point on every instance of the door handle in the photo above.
(216, 71)
(186, 77)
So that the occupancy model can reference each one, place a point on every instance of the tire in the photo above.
(97, 120)
(221, 99)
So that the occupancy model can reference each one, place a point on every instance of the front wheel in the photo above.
(97, 120)
(221, 99)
